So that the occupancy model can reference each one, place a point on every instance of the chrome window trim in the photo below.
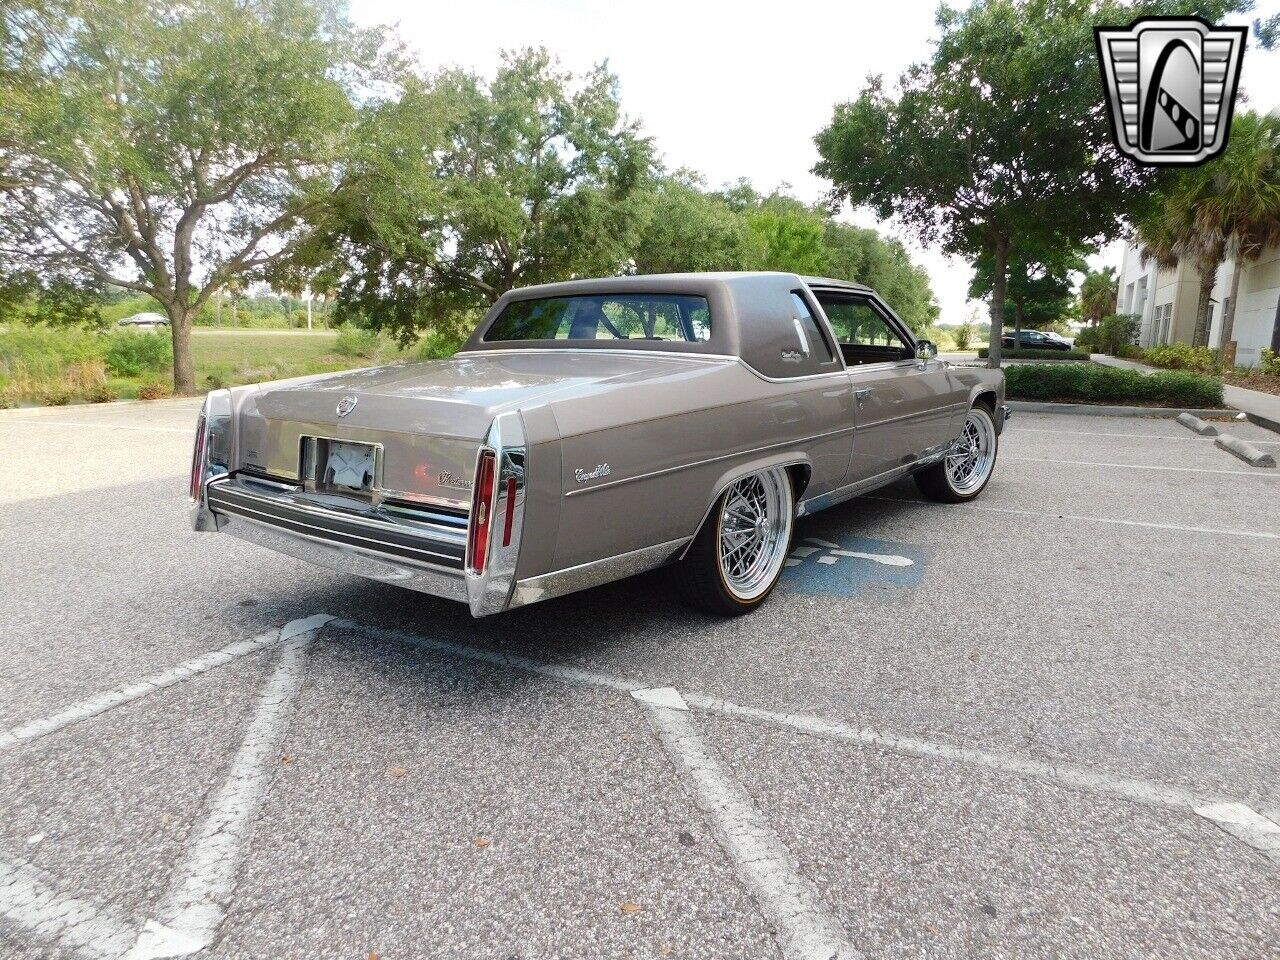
(614, 351)
(798, 379)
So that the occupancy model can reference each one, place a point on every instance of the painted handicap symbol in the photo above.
(848, 568)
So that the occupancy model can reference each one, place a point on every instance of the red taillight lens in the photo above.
(197, 460)
(482, 510)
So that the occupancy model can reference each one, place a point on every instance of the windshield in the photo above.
(645, 316)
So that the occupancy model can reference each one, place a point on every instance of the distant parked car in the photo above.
(145, 321)
(1036, 340)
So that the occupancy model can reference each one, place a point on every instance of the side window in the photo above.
(864, 335)
(816, 342)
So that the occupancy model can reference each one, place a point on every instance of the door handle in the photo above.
(861, 395)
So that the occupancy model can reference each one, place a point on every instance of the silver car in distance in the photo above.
(595, 429)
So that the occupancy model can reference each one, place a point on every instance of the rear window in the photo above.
(646, 316)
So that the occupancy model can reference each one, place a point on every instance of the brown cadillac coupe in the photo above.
(593, 429)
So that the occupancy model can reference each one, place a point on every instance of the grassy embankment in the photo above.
(44, 366)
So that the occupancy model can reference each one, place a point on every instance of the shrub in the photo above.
(438, 346)
(963, 336)
(156, 390)
(1181, 356)
(355, 342)
(1089, 340)
(1118, 331)
(43, 353)
(131, 353)
(1092, 383)
(1270, 364)
(984, 352)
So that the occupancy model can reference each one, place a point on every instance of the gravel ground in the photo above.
(995, 750)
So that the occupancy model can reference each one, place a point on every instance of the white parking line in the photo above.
(805, 928)
(184, 671)
(31, 900)
(1073, 776)
(1148, 466)
(1130, 436)
(1178, 528)
(1245, 824)
(195, 905)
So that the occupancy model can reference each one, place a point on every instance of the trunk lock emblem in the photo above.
(346, 405)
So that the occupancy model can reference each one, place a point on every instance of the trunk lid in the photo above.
(429, 417)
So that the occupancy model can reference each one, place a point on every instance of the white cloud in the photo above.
(731, 89)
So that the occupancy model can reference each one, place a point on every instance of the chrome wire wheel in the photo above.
(973, 453)
(754, 532)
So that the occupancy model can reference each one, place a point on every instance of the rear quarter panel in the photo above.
(670, 445)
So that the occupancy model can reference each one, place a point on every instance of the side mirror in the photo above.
(926, 350)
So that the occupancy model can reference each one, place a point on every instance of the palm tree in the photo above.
(1098, 294)
(1243, 205)
(1172, 231)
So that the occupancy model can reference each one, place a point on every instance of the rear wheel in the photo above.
(738, 555)
(963, 473)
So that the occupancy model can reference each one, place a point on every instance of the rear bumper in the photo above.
(1003, 413)
(415, 554)
(420, 545)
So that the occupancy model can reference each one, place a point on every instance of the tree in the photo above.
(1000, 140)
(864, 256)
(789, 235)
(1168, 231)
(170, 153)
(1039, 285)
(464, 189)
(1243, 204)
(1098, 294)
(685, 228)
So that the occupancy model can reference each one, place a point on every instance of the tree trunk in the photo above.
(1200, 337)
(184, 370)
(1208, 278)
(1229, 317)
(999, 289)
(1017, 325)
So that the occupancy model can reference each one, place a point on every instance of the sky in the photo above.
(730, 89)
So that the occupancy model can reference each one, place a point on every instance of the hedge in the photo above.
(984, 352)
(1093, 383)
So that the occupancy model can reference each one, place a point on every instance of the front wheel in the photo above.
(963, 473)
(738, 555)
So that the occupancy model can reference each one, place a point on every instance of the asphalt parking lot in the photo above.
(1042, 725)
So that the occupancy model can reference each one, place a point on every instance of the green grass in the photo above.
(39, 365)
(1093, 383)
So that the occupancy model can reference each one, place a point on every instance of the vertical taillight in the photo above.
(482, 510)
(197, 459)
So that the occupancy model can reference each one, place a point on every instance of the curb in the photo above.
(1196, 425)
(1245, 451)
(1099, 410)
(112, 405)
(1265, 422)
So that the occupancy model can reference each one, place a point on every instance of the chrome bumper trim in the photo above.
(595, 573)
(437, 581)
(1003, 413)
(397, 541)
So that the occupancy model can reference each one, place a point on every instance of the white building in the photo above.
(1166, 302)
